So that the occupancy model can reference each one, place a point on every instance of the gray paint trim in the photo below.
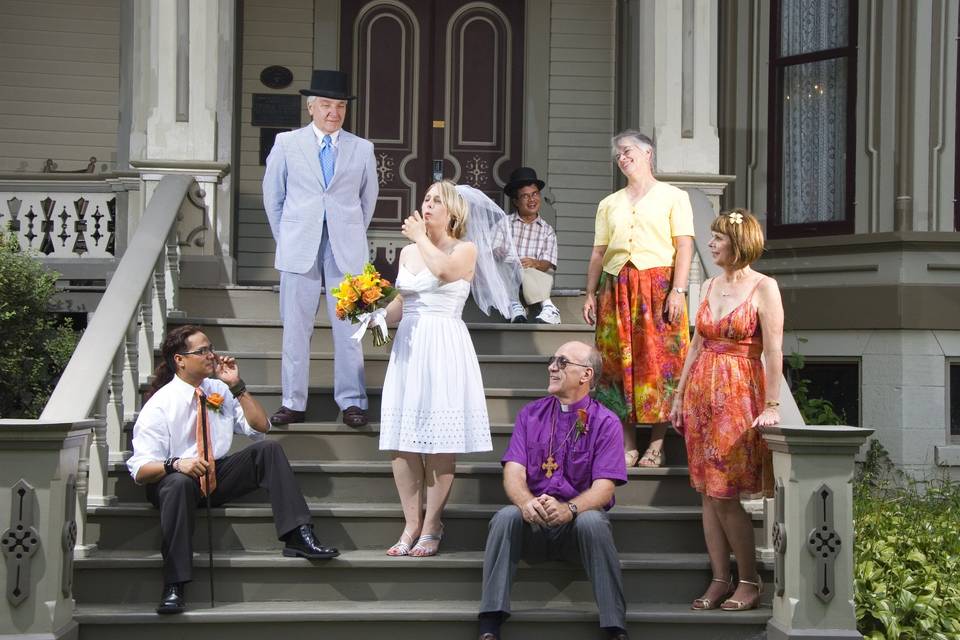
(183, 61)
(326, 34)
(125, 104)
(536, 97)
(687, 85)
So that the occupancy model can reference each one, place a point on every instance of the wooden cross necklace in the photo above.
(550, 464)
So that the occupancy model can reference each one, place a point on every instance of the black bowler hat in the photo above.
(521, 177)
(329, 84)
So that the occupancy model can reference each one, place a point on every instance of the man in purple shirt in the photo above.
(559, 471)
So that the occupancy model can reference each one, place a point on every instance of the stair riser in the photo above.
(322, 408)
(365, 446)
(181, 629)
(346, 532)
(262, 584)
(468, 488)
(511, 375)
(486, 341)
(265, 305)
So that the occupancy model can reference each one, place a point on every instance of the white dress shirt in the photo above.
(334, 137)
(167, 424)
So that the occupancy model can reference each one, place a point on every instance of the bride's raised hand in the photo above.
(414, 228)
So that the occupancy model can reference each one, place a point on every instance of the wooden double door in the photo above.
(440, 94)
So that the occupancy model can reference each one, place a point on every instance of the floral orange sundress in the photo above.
(727, 457)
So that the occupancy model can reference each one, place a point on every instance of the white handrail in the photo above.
(82, 381)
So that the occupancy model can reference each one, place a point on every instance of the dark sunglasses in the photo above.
(562, 362)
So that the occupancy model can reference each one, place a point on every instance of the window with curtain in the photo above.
(813, 66)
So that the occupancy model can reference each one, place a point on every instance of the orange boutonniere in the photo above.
(215, 402)
(581, 424)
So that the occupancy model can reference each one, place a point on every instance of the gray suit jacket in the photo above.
(296, 198)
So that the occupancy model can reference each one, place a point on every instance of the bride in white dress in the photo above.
(433, 403)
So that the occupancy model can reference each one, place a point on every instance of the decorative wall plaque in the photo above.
(823, 543)
(20, 541)
(276, 77)
(275, 110)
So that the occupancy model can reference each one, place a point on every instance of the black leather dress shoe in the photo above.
(354, 417)
(287, 416)
(489, 636)
(172, 600)
(301, 543)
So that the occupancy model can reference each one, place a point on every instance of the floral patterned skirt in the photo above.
(642, 354)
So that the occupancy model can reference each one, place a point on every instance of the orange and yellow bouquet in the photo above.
(362, 300)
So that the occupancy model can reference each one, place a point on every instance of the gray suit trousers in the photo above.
(589, 539)
(299, 302)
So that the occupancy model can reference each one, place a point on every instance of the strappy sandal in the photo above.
(421, 551)
(631, 457)
(651, 458)
(401, 548)
(740, 605)
(708, 604)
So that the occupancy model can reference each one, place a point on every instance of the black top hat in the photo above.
(329, 84)
(521, 177)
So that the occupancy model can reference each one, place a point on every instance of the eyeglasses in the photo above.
(529, 196)
(202, 351)
(562, 362)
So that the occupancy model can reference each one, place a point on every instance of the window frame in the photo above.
(834, 360)
(778, 64)
(950, 363)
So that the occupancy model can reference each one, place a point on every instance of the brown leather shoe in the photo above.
(354, 416)
(287, 416)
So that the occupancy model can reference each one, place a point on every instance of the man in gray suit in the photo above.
(319, 190)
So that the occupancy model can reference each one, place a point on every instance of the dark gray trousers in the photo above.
(589, 539)
(262, 464)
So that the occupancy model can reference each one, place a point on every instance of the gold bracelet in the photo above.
(772, 404)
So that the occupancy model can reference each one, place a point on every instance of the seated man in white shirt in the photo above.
(536, 245)
(179, 465)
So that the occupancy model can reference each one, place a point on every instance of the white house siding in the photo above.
(275, 32)
(59, 83)
(582, 40)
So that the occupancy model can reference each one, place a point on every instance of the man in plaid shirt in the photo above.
(536, 246)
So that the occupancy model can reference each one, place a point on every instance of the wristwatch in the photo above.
(573, 509)
(680, 290)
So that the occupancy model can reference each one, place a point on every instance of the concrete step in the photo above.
(506, 370)
(358, 576)
(247, 335)
(249, 527)
(435, 620)
(364, 481)
(264, 303)
(502, 403)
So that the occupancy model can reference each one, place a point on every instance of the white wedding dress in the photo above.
(433, 399)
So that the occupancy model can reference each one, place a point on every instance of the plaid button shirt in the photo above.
(535, 240)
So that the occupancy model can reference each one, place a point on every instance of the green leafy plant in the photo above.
(813, 410)
(907, 553)
(34, 347)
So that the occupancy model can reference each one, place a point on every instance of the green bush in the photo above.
(907, 554)
(813, 410)
(34, 347)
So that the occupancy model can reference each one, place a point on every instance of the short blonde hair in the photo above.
(746, 236)
(456, 206)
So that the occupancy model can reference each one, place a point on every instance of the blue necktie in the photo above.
(326, 160)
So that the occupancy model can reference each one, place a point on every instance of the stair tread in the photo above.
(367, 558)
(433, 610)
(493, 325)
(462, 468)
(390, 509)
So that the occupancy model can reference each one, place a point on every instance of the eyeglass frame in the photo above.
(563, 361)
(202, 351)
(528, 196)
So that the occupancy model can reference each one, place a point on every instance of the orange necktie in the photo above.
(208, 483)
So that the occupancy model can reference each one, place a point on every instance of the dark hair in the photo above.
(174, 343)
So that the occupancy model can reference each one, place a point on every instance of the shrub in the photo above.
(34, 347)
(907, 554)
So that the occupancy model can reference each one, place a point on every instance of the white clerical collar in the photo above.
(579, 404)
(334, 137)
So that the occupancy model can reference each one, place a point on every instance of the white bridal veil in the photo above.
(496, 280)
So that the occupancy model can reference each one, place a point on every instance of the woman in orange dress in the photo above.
(725, 393)
(636, 295)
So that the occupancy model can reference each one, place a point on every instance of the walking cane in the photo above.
(203, 426)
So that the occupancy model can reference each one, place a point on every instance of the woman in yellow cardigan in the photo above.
(636, 295)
